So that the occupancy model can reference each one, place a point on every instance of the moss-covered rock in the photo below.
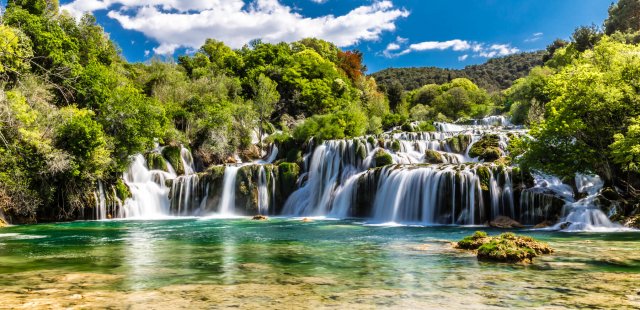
(433, 157)
(382, 158)
(395, 145)
(286, 184)
(122, 190)
(474, 241)
(506, 247)
(361, 149)
(487, 148)
(172, 155)
(155, 161)
(459, 144)
(484, 174)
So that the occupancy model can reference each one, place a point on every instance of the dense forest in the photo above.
(73, 110)
(495, 75)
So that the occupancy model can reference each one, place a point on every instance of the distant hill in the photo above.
(494, 75)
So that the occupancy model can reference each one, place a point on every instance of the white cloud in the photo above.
(479, 49)
(393, 47)
(456, 45)
(534, 37)
(319, 1)
(182, 23)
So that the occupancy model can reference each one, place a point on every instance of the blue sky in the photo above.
(391, 33)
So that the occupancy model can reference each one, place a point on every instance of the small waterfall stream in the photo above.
(228, 201)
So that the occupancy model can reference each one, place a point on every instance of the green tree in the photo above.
(265, 98)
(624, 16)
(592, 100)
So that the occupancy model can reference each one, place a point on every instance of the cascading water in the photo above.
(228, 201)
(101, 202)
(584, 214)
(149, 191)
(431, 181)
(263, 192)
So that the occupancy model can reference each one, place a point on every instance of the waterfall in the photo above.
(263, 192)
(101, 202)
(584, 214)
(187, 161)
(149, 190)
(422, 195)
(228, 201)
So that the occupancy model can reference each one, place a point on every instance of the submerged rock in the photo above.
(505, 222)
(506, 247)
(259, 218)
(307, 220)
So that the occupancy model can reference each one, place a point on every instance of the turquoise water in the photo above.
(287, 263)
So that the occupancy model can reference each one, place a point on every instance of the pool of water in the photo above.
(285, 263)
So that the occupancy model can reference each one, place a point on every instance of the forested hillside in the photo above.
(494, 75)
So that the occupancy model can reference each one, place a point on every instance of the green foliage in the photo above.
(626, 148)
(83, 138)
(624, 16)
(344, 124)
(592, 99)
(392, 120)
(495, 75)
(16, 48)
(458, 98)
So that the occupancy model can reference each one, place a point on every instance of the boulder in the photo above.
(259, 218)
(382, 158)
(545, 224)
(487, 148)
(506, 247)
(433, 157)
(505, 222)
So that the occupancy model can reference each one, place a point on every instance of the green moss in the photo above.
(487, 148)
(485, 177)
(288, 174)
(433, 157)
(361, 150)
(395, 146)
(172, 155)
(122, 190)
(506, 247)
(371, 141)
(155, 161)
(382, 158)
(474, 241)
(459, 143)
